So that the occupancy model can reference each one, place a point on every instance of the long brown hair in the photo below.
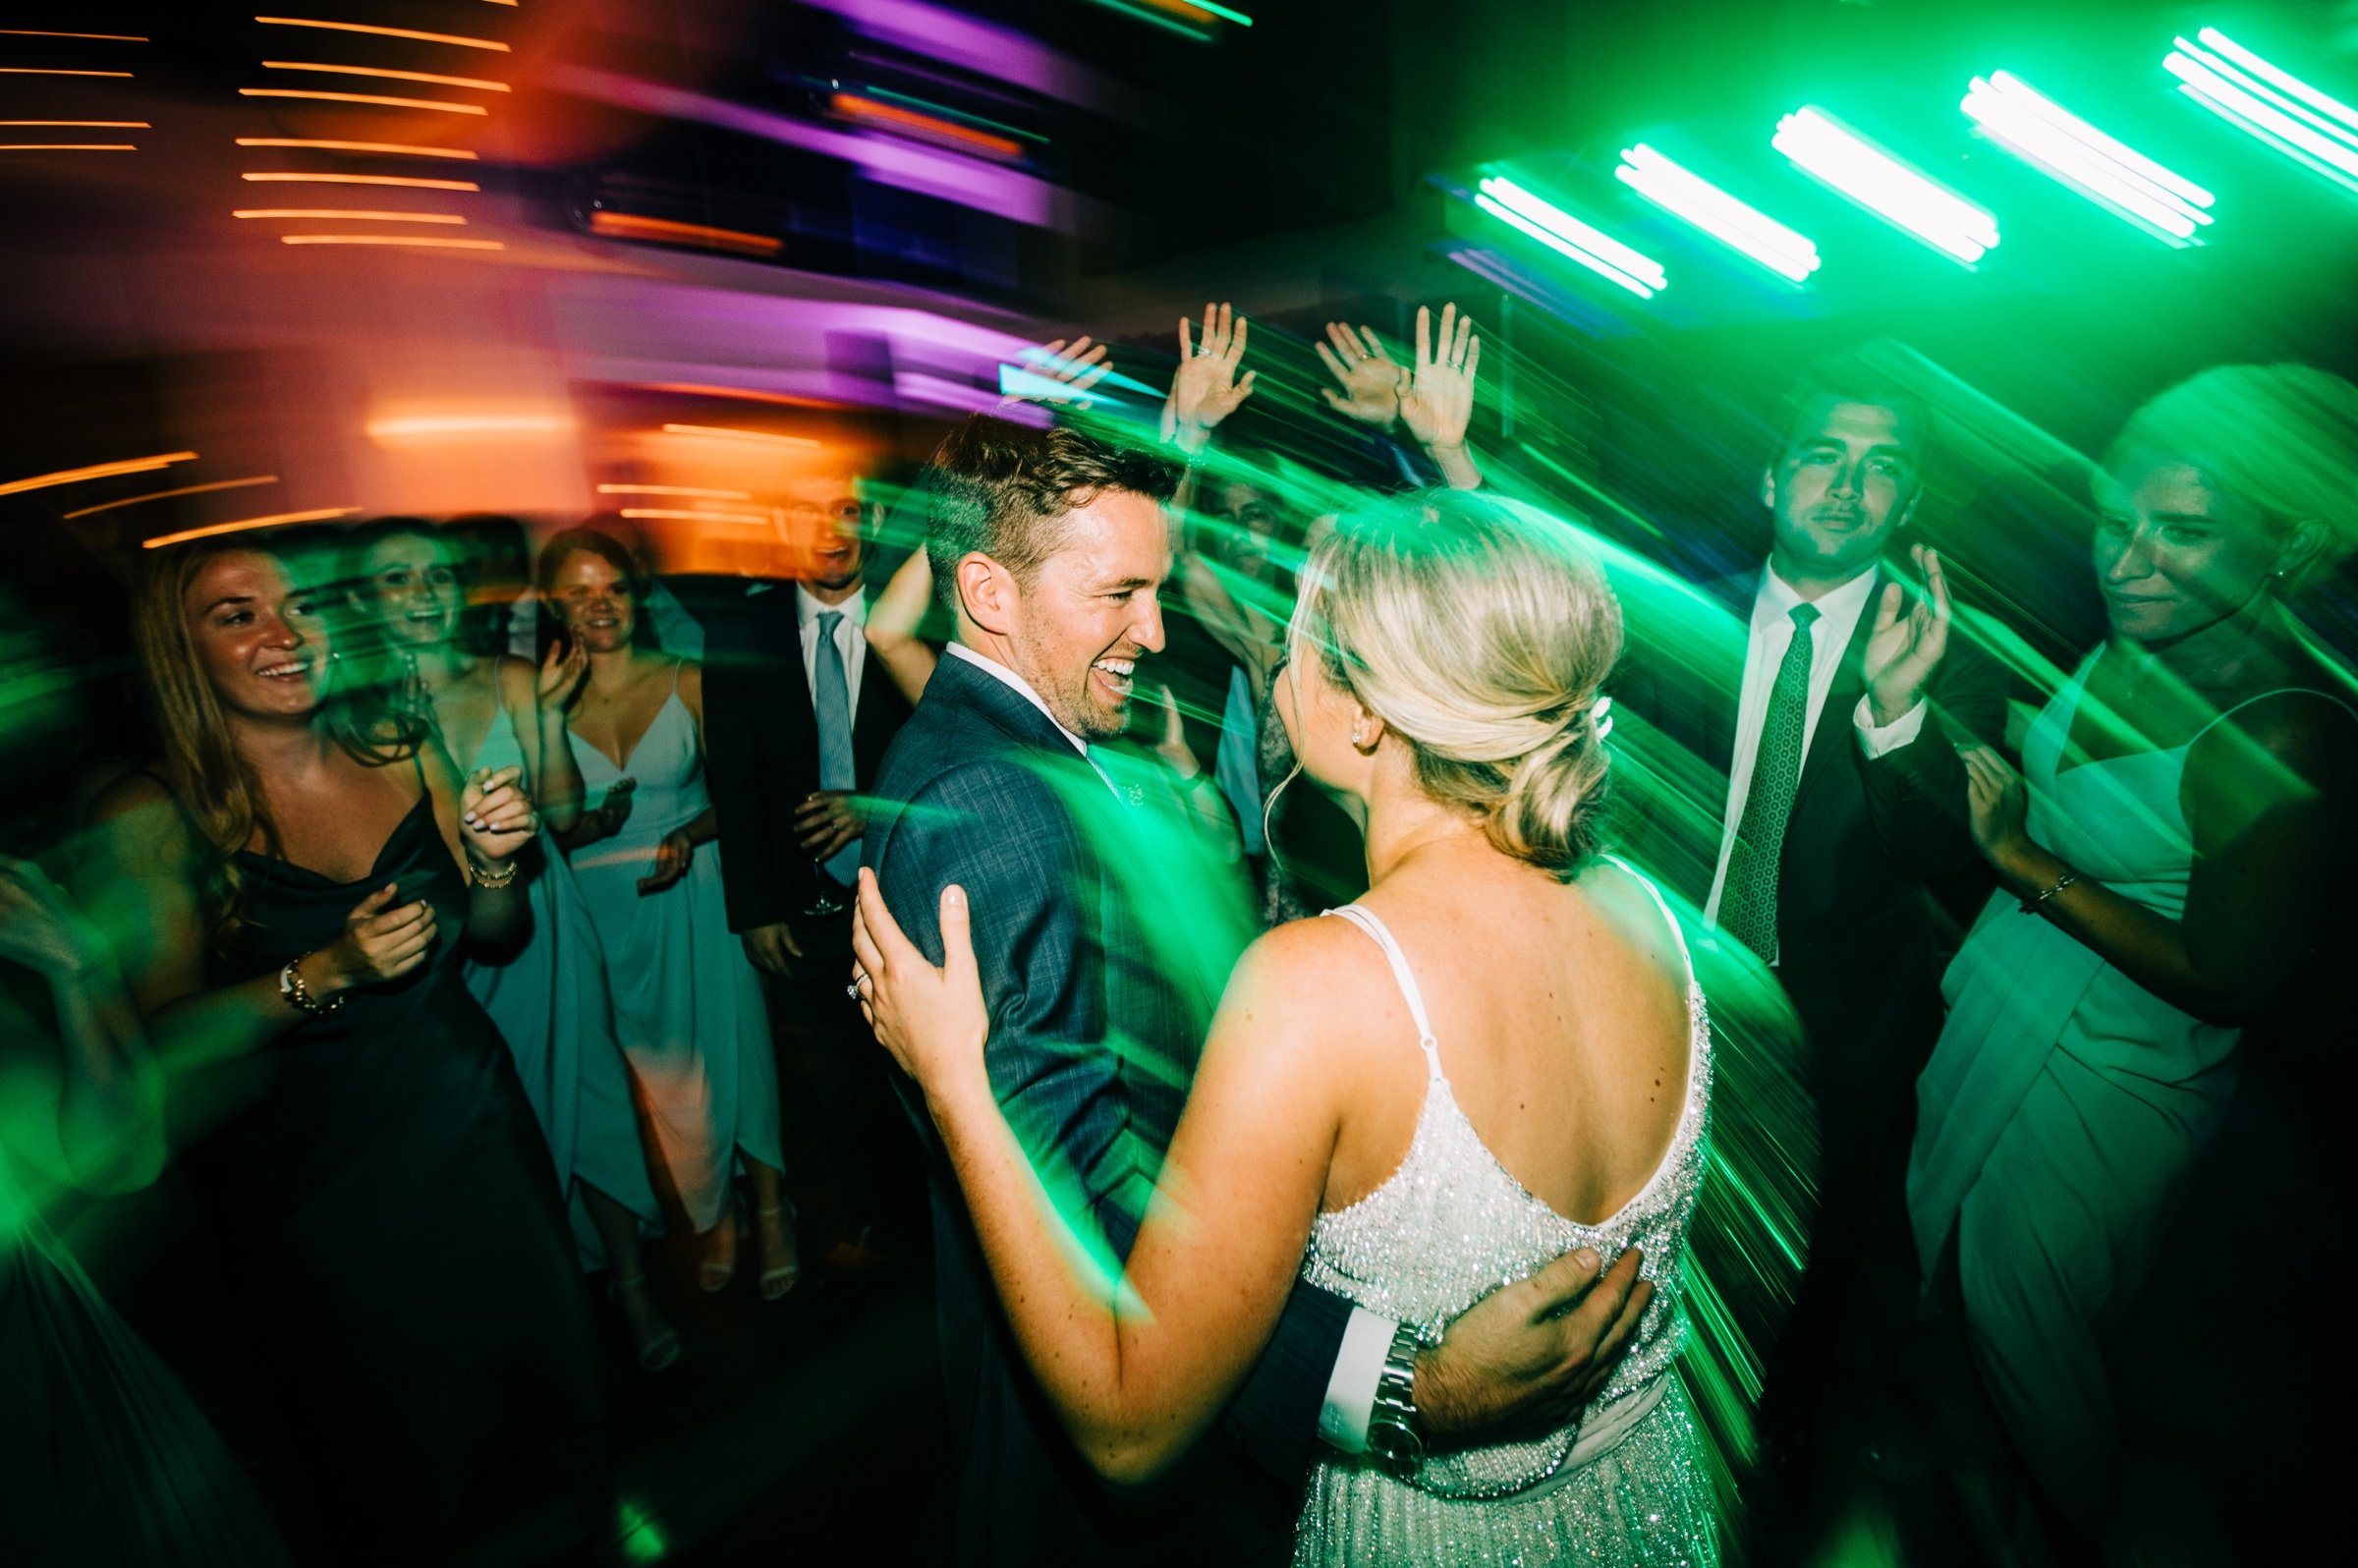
(216, 785)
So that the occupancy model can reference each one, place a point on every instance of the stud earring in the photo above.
(1359, 737)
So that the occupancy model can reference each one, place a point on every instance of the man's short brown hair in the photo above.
(1004, 489)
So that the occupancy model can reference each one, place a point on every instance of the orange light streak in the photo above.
(356, 214)
(410, 180)
(51, 71)
(378, 71)
(96, 471)
(870, 111)
(68, 147)
(166, 495)
(243, 524)
(699, 389)
(395, 148)
(363, 97)
(104, 37)
(468, 424)
(387, 32)
(675, 489)
(391, 239)
(759, 519)
(738, 435)
(638, 226)
(110, 125)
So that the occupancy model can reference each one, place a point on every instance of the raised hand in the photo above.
(934, 1021)
(563, 672)
(1436, 402)
(495, 815)
(1206, 388)
(381, 942)
(1063, 372)
(1171, 745)
(604, 820)
(1370, 377)
(673, 857)
(1903, 650)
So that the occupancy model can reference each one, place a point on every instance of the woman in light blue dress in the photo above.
(688, 1005)
(2163, 858)
(548, 997)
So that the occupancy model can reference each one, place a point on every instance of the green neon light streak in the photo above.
(1222, 12)
(2249, 103)
(2124, 181)
(1741, 228)
(1567, 236)
(1906, 197)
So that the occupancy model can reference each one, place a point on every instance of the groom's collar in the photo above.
(1016, 684)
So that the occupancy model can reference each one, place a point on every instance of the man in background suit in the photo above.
(1824, 706)
(798, 718)
(1049, 547)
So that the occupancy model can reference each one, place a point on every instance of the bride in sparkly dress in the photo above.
(1495, 1056)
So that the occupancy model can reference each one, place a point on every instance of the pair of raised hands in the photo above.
(1432, 396)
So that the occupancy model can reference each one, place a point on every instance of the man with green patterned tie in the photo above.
(1843, 796)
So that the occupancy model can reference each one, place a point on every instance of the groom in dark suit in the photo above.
(1048, 547)
(1818, 721)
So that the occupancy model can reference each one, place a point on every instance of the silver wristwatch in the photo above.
(1394, 1434)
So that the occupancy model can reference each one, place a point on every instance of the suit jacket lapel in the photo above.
(1833, 720)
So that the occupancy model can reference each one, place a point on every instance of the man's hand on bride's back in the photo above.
(1530, 1355)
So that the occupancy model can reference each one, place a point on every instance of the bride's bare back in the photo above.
(1562, 1020)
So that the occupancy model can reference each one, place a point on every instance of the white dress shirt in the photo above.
(851, 640)
(1351, 1389)
(1838, 612)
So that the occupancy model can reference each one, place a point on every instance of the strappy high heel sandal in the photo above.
(719, 1264)
(782, 1274)
(658, 1351)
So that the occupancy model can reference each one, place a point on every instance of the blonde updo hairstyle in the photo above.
(1481, 630)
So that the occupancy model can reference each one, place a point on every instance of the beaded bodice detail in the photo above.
(1451, 1224)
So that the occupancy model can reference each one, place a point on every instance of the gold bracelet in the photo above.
(494, 880)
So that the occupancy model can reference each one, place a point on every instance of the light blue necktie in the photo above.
(831, 696)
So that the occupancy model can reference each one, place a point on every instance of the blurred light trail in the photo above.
(483, 82)
(689, 491)
(1731, 222)
(49, 71)
(69, 147)
(396, 148)
(456, 39)
(1906, 197)
(413, 180)
(415, 240)
(321, 515)
(354, 214)
(702, 389)
(2116, 178)
(103, 38)
(96, 471)
(363, 97)
(2269, 104)
(894, 162)
(90, 125)
(166, 495)
(389, 429)
(739, 435)
(865, 110)
(670, 231)
(1567, 236)
(761, 519)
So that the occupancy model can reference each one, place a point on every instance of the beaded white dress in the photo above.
(1625, 1482)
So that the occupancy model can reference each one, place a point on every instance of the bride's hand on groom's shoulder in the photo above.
(932, 1019)
(1530, 1355)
